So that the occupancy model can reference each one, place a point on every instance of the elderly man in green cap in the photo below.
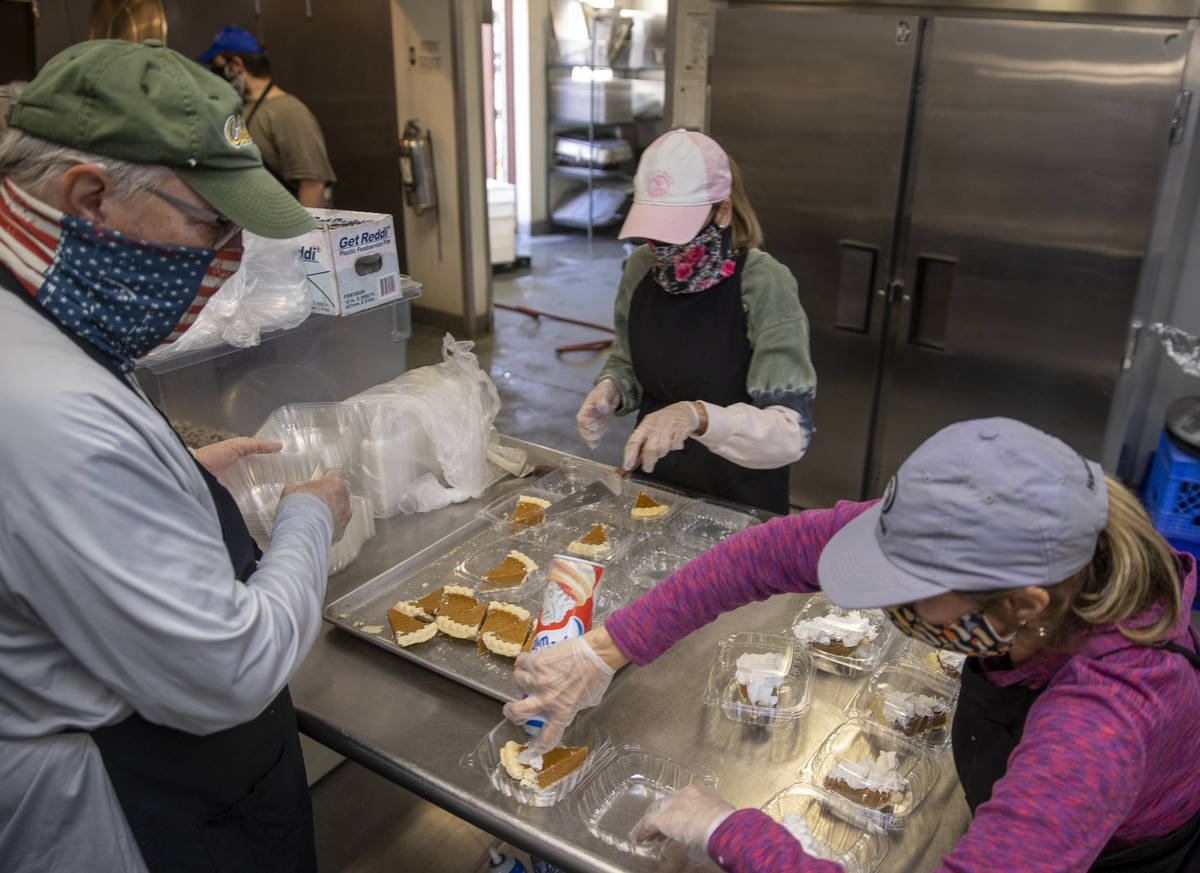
(145, 642)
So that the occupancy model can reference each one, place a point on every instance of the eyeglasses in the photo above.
(226, 230)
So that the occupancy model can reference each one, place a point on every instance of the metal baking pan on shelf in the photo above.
(463, 557)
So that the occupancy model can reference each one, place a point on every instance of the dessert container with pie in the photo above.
(611, 802)
(944, 663)
(846, 642)
(521, 515)
(760, 679)
(876, 777)
(809, 812)
(594, 536)
(916, 703)
(651, 506)
(565, 770)
(503, 569)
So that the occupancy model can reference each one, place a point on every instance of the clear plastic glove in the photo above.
(220, 456)
(659, 433)
(331, 490)
(559, 681)
(690, 816)
(598, 407)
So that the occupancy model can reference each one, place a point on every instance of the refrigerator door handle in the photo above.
(931, 301)
(856, 276)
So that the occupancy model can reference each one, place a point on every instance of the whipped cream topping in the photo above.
(762, 675)
(875, 774)
(905, 705)
(849, 628)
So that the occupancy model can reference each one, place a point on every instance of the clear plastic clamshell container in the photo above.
(772, 668)
(944, 663)
(485, 759)
(914, 702)
(499, 513)
(846, 748)
(574, 525)
(331, 433)
(612, 802)
(473, 567)
(821, 630)
(708, 523)
(571, 476)
(673, 499)
(652, 561)
(360, 529)
(824, 834)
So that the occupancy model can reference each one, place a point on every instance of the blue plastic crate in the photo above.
(1172, 492)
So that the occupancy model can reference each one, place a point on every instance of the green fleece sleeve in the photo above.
(781, 370)
(619, 366)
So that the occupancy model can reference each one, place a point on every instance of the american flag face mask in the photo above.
(128, 296)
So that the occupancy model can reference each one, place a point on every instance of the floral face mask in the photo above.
(695, 265)
(970, 634)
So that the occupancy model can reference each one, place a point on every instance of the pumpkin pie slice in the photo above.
(509, 573)
(593, 545)
(557, 763)
(462, 623)
(529, 512)
(426, 607)
(504, 630)
(646, 506)
(409, 631)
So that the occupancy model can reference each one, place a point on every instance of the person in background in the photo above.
(711, 342)
(1078, 720)
(283, 128)
(145, 642)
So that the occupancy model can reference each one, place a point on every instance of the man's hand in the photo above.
(219, 457)
(331, 489)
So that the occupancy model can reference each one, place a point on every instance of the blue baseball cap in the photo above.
(232, 39)
(981, 505)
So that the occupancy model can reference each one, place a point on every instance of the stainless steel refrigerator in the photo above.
(965, 202)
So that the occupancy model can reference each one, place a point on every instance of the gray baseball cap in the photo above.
(982, 505)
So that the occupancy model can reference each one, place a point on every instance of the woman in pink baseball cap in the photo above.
(711, 346)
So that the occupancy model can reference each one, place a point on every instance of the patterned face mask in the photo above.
(696, 265)
(971, 634)
(127, 296)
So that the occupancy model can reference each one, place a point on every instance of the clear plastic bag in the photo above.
(1182, 347)
(427, 434)
(266, 293)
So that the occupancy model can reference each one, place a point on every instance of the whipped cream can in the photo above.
(567, 605)
(567, 602)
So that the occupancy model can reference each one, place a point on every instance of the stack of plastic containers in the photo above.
(316, 438)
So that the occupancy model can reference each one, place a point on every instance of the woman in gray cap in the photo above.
(1079, 716)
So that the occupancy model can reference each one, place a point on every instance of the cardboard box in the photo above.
(351, 261)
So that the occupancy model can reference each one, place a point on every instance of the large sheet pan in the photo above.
(644, 553)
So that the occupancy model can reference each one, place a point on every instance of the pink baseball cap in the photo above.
(679, 178)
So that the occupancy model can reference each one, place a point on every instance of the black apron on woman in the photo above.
(694, 347)
(235, 801)
(988, 726)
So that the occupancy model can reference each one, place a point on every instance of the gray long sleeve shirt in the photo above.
(117, 595)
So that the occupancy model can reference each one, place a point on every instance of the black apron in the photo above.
(694, 347)
(228, 802)
(988, 725)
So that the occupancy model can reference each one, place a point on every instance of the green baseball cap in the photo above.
(144, 103)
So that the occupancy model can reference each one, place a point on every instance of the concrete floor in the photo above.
(364, 823)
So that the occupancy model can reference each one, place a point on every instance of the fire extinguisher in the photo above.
(416, 168)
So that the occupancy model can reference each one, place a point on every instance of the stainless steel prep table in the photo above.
(412, 726)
